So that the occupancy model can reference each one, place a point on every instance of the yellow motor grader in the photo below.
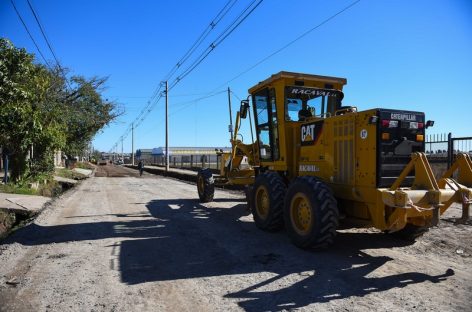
(315, 161)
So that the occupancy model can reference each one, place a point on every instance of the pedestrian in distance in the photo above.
(141, 167)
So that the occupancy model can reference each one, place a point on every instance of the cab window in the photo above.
(266, 124)
(304, 102)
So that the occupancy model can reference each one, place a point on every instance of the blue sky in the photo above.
(413, 55)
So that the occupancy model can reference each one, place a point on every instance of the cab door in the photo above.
(265, 112)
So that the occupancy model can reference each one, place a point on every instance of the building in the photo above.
(144, 155)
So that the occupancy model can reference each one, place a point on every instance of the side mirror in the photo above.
(429, 123)
(243, 109)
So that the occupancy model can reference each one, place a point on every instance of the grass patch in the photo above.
(84, 165)
(48, 189)
(17, 189)
(69, 174)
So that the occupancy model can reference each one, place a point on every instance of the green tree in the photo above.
(22, 85)
(40, 113)
(88, 112)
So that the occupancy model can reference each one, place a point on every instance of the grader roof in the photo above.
(298, 76)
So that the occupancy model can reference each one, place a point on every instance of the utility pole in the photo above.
(167, 128)
(122, 158)
(132, 143)
(230, 114)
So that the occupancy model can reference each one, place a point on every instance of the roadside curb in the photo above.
(27, 216)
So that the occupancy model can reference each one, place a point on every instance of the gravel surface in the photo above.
(121, 242)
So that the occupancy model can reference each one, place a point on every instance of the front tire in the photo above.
(267, 200)
(311, 214)
(205, 185)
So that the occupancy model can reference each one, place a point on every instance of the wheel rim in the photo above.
(200, 185)
(262, 202)
(301, 214)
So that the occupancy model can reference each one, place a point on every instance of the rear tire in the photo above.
(205, 185)
(311, 214)
(267, 200)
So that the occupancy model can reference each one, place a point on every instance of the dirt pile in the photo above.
(6, 222)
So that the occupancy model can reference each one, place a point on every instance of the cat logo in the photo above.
(307, 132)
(310, 132)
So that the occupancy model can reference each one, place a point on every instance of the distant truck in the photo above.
(102, 162)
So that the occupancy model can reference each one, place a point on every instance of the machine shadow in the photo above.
(183, 239)
(34, 234)
(200, 241)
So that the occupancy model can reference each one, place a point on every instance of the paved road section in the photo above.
(27, 204)
(121, 242)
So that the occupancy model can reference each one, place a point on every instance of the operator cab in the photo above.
(282, 103)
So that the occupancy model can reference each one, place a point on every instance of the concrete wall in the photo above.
(58, 162)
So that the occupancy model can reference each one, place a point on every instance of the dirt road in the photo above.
(146, 244)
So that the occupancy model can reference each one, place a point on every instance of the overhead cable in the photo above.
(221, 14)
(31, 36)
(223, 35)
(41, 28)
(202, 37)
(289, 43)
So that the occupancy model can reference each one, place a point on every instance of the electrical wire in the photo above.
(223, 35)
(188, 103)
(31, 36)
(41, 28)
(234, 94)
(289, 44)
(42, 31)
(221, 14)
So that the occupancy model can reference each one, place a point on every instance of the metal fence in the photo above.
(211, 161)
(459, 145)
(437, 147)
(444, 147)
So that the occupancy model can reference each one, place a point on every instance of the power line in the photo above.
(234, 94)
(186, 104)
(289, 43)
(61, 70)
(29, 33)
(42, 31)
(223, 35)
(221, 14)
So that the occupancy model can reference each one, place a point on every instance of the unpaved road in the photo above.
(146, 244)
